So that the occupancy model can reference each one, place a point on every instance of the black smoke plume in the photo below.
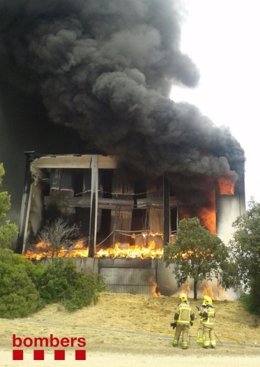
(104, 68)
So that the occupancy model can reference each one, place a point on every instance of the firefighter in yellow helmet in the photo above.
(201, 309)
(207, 315)
(183, 319)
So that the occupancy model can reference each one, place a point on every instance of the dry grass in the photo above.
(140, 323)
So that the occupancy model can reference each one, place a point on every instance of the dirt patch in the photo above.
(139, 324)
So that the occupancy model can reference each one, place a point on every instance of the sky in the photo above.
(222, 38)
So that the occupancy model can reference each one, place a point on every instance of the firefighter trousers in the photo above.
(208, 337)
(200, 333)
(181, 335)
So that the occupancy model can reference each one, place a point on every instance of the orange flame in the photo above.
(42, 250)
(196, 254)
(79, 249)
(134, 251)
(208, 219)
(155, 290)
(216, 292)
(208, 291)
(185, 287)
(207, 215)
(226, 186)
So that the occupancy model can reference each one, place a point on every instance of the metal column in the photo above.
(166, 210)
(93, 207)
(25, 206)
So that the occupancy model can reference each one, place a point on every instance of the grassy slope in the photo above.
(140, 323)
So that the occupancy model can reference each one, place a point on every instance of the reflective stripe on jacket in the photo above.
(209, 316)
(184, 314)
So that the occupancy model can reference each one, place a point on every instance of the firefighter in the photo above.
(208, 318)
(183, 319)
(200, 328)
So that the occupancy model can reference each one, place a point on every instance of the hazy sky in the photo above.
(222, 38)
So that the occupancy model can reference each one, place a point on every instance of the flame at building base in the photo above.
(210, 288)
(155, 288)
(43, 250)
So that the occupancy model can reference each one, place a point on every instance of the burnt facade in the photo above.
(116, 213)
(90, 191)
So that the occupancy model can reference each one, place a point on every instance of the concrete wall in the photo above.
(165, 278)
(134, 276)
(228, 209)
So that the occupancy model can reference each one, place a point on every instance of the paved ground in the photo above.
(109, 359)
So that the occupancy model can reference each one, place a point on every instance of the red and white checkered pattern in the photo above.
(58, 354)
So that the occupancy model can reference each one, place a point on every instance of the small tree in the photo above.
(197, 254)
(246, 252)
(59, 233)
(8, 230)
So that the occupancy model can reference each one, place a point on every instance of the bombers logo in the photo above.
(19, 344)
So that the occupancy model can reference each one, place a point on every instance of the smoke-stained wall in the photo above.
(24, 125)
(101, 68)
(18, 133)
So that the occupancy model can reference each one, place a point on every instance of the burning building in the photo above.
(124, 221)
(97, 75)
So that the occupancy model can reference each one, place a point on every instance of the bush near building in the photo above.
(19, 296)
(60, 282)
(26, 287)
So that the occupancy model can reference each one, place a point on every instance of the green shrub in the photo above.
(255, 295)
(8, 233)
(8, 230)
(61, 282)
(25, 287)
(251, 301)
(19, 296)
(15, 260)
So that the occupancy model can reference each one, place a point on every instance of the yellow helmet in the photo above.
(207, 300)
(183, 297)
